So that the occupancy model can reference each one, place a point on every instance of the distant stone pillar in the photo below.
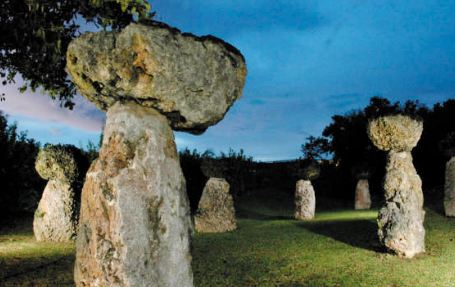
(57, 213)
(449, 188)
(305, 200)
(216, 211)
(401, 217)
(362, 194)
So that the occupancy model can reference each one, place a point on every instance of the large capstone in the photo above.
(56, 217)
(401, 217)
(362, 195)
(192, 80)
(216, 211)
(449, 188)
(305, 200)
(135, 225)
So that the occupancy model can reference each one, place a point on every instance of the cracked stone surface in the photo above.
(216, 211)
(401, 217)
(192, 80)
(135, 225)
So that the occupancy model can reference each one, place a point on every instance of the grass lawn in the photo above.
(338, 248)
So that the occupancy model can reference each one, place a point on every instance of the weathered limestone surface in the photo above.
(305, 200)
(216, 211)
(192, 80)
(135, 219)
(449, 188)
(362, 195)
(135, 226)
(56, 216)
(401, 217)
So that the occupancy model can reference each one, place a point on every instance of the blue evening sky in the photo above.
(307, 61)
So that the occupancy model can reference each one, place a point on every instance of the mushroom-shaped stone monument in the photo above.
(305, 198)
(56, 216)
(135, 224)
(401, 217)
(216, 211)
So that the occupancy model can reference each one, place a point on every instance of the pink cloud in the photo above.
(84, 116)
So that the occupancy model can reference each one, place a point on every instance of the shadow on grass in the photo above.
(38, 271)
(357, 233)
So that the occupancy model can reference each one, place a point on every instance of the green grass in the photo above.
(338, 248)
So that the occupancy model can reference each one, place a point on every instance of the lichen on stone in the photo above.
(396, 132)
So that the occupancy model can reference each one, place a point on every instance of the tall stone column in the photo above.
(135, 225)
(401, 217)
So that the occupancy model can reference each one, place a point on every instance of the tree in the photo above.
(316, 148)
(21, 185)
(36, 34)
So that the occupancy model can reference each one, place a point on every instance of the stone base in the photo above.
(401, 218)
(305, 200)
(135, 224)
(362, 195)
(216, 211)
(55, 218)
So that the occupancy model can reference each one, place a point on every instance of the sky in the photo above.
(307, 61)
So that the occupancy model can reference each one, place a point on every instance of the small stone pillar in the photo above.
(401, 217)
(362, 195)
(305, 198)
(135, 225)
(57, 213)
(216, 211)
(362, 191)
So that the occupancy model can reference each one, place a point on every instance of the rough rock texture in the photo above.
(305, 200)
(214, 168)
(362, 195)
(192, 80)
(398, 133)
(216, 211)
(401, 218)
(57, 213)
(135, 225)
(449, 188)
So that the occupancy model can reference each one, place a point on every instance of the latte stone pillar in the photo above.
(56, 217)
(362, 191)
(401, 217)
(216, 212)
(135, 225)
(305, 197)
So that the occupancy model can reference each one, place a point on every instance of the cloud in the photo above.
(84, 116)
(55, 131)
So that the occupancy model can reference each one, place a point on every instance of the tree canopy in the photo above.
(36, 34)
